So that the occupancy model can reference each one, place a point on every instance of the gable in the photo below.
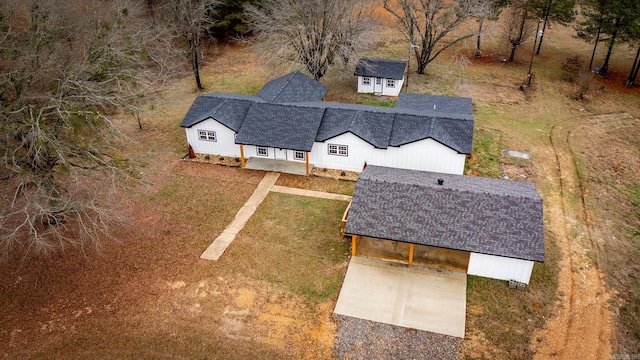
(372, 127)
(228, 109)
(280, 126)
(481, 215)
(291, 88)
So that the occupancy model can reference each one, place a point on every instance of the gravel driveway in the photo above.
(363, 339)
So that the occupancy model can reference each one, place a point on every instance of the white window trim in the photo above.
(391, 83)
(366, 80)
(207, 135)
(266, 151)
(338, 150)
(295, 155)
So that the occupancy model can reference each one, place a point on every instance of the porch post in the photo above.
(241, 155)
(306, 156)
(354, 243)
(411, 246)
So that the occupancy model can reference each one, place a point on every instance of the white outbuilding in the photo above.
(380, 76)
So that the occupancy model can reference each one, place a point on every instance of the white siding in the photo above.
(392, 91)
(388, 91)
(366, 88)
(501, 268)
(427, 155)
(224, 144)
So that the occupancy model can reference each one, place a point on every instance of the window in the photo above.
(298, 155)
(378, 81)
(391, 83)
(341, 150)
(366, 81)
(207, 135)
(262, 151)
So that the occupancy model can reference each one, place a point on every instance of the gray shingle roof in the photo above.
(293, 87)
(228, 109)
(372, 127)
(436, 104)
(280, 126)
(482, 215)
(388, 69)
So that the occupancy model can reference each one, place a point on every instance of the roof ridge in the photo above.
(461, 189)
(288, 80)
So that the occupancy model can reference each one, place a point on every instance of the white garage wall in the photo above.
(224, 145)
(501, 268)
(427, 155)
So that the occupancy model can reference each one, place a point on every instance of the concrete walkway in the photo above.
(303, 192)
(220, 244)
(409, 296)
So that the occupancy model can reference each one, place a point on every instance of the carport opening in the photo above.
(428, 256)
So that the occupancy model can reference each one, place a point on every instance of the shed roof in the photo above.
(280, 126)
(475, 214)
(388, 69)
(293, 87)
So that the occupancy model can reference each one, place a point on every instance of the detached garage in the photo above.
(485, 227)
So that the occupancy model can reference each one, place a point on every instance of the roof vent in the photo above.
(440, 181)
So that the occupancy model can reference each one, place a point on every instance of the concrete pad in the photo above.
(409, 296)
(311, 193)
(518, 154)
(283, 166)
(220, 244)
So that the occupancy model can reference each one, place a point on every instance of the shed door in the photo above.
(280, 154)
(377, 87)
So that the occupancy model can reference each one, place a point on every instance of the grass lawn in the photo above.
(293, 242)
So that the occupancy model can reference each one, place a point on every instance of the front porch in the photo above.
(283, 166)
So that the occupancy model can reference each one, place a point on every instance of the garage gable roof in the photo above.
(475, 214)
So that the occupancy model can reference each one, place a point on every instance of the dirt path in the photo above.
(582, 327)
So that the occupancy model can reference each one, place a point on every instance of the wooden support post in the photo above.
(354, 244)
(411, 246)
(306, 156)
(241, 155)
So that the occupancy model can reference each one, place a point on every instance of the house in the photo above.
(379, 76)
(288, 121)
(482, 226)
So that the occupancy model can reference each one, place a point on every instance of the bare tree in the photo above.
(64, 68)
(518, 26)
(430, 24)
(487, 10)
(190, 19)
(312, 33)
